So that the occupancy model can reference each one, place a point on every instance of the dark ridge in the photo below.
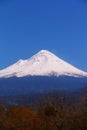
(39, 84)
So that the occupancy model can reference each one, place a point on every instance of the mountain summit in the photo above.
(44, 63)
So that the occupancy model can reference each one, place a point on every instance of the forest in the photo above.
(53, 113)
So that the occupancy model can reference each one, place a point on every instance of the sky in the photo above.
(28, 26)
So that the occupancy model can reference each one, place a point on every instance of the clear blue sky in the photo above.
(27, 26)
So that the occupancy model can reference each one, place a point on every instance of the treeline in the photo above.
(45, 117)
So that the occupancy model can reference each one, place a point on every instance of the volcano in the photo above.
(44, 63)
(43, 72)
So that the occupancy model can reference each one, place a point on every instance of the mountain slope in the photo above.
(44, 63)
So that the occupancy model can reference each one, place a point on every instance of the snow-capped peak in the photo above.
(44, 63)
(44, 52)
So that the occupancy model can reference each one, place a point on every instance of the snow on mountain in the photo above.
(44, 63)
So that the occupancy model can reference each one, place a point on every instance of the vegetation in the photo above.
(48, 116)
